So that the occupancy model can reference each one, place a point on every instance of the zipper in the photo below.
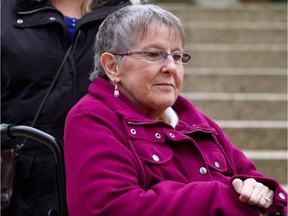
(76, 39)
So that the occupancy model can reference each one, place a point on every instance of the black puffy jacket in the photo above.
(34, 41)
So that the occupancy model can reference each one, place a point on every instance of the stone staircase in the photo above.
(238, 75)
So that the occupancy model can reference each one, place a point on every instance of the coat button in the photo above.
(52, 18)
(203, 170)
(282, 195)
(157, 135)
(155, 157)
(172, 135)
(133, 131)
(19, 21)
(217, 164)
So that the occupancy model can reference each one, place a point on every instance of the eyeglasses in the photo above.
(158, 55)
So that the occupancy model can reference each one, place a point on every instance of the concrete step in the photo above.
(273, 168)
(241, 55)
(233, 80)
(242, 109)
(236, 32)
(260, 137)
(237, 12)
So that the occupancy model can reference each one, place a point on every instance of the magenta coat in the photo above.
(121, 163)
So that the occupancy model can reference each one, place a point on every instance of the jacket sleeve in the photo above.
(103, 179)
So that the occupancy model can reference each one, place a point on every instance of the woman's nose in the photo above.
(170, 64)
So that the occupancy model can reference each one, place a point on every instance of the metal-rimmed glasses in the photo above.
(158, 55)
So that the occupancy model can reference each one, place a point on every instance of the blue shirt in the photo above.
(71, 24)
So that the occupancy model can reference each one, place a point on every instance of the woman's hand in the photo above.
(253, 192)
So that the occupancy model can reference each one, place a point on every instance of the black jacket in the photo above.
(34, 41)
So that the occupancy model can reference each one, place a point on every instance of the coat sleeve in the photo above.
(103, 178)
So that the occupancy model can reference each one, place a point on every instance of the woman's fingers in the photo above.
(255, 197)
(253, 193)
(237, 185)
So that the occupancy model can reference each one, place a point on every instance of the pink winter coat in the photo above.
(121, 163)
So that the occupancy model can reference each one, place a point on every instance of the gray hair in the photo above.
(121, 30)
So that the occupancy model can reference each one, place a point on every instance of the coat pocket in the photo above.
(153, 153)
(216, 161)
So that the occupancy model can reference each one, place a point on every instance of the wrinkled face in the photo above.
(153, 85)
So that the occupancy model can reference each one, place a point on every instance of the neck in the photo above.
(70, 8)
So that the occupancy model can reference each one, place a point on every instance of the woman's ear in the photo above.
(109, 64)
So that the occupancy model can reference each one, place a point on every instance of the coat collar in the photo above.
(31, 5)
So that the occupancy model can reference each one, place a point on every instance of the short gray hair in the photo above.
(121, 30)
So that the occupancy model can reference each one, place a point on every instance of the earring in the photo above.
(116, 91)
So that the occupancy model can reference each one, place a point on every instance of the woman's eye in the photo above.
(154, 54)
(177, 56)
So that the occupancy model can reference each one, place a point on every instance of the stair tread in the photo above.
(250, 25)
(266, 154)
(235, 71)
(235, 96)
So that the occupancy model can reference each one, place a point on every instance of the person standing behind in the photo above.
(38, 39)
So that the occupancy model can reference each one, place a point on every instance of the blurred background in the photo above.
(238, 73)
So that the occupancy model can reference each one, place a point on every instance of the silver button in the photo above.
(133, 131)
(282, 195)
(19, 21)
(157, 135)
(203, 170)
(52, 18)
(217, 164)
(171, 135)
(155, 157)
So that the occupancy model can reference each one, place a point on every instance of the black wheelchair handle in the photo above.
(9, 131)
(5, 135)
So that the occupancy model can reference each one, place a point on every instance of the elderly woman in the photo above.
(134, 146)
(46, 58)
